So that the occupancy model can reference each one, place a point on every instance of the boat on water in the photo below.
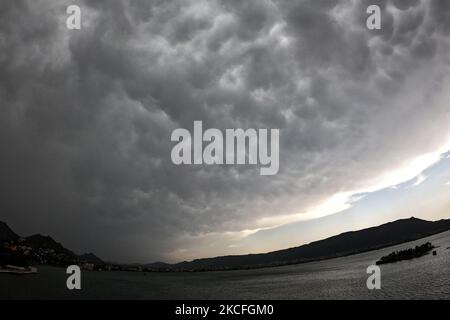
(9, 269)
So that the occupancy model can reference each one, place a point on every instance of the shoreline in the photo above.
(250, 267)
(260, 267)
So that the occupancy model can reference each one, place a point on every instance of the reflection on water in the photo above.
(427, 277)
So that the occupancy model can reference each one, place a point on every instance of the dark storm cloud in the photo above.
(86, 115)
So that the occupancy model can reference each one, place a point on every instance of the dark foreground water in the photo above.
(427, 277)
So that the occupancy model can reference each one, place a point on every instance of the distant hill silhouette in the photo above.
(6, 234)
(39, 241)
(54, 252)
(159, 265)
(341, 245)
(347, 243)
(91, 258)
(45, 248)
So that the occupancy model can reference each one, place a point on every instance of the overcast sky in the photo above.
(86, 117)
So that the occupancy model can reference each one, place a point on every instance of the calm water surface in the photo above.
(427, 277)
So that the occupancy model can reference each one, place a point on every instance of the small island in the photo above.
(406, 254)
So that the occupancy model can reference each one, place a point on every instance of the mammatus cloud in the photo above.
(86, 116)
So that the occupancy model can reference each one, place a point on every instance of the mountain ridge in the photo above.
(45, 248)
(6, 233)
(347, 243)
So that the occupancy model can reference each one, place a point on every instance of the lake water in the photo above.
(426, 277)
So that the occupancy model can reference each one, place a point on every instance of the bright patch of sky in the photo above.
(425, 197)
